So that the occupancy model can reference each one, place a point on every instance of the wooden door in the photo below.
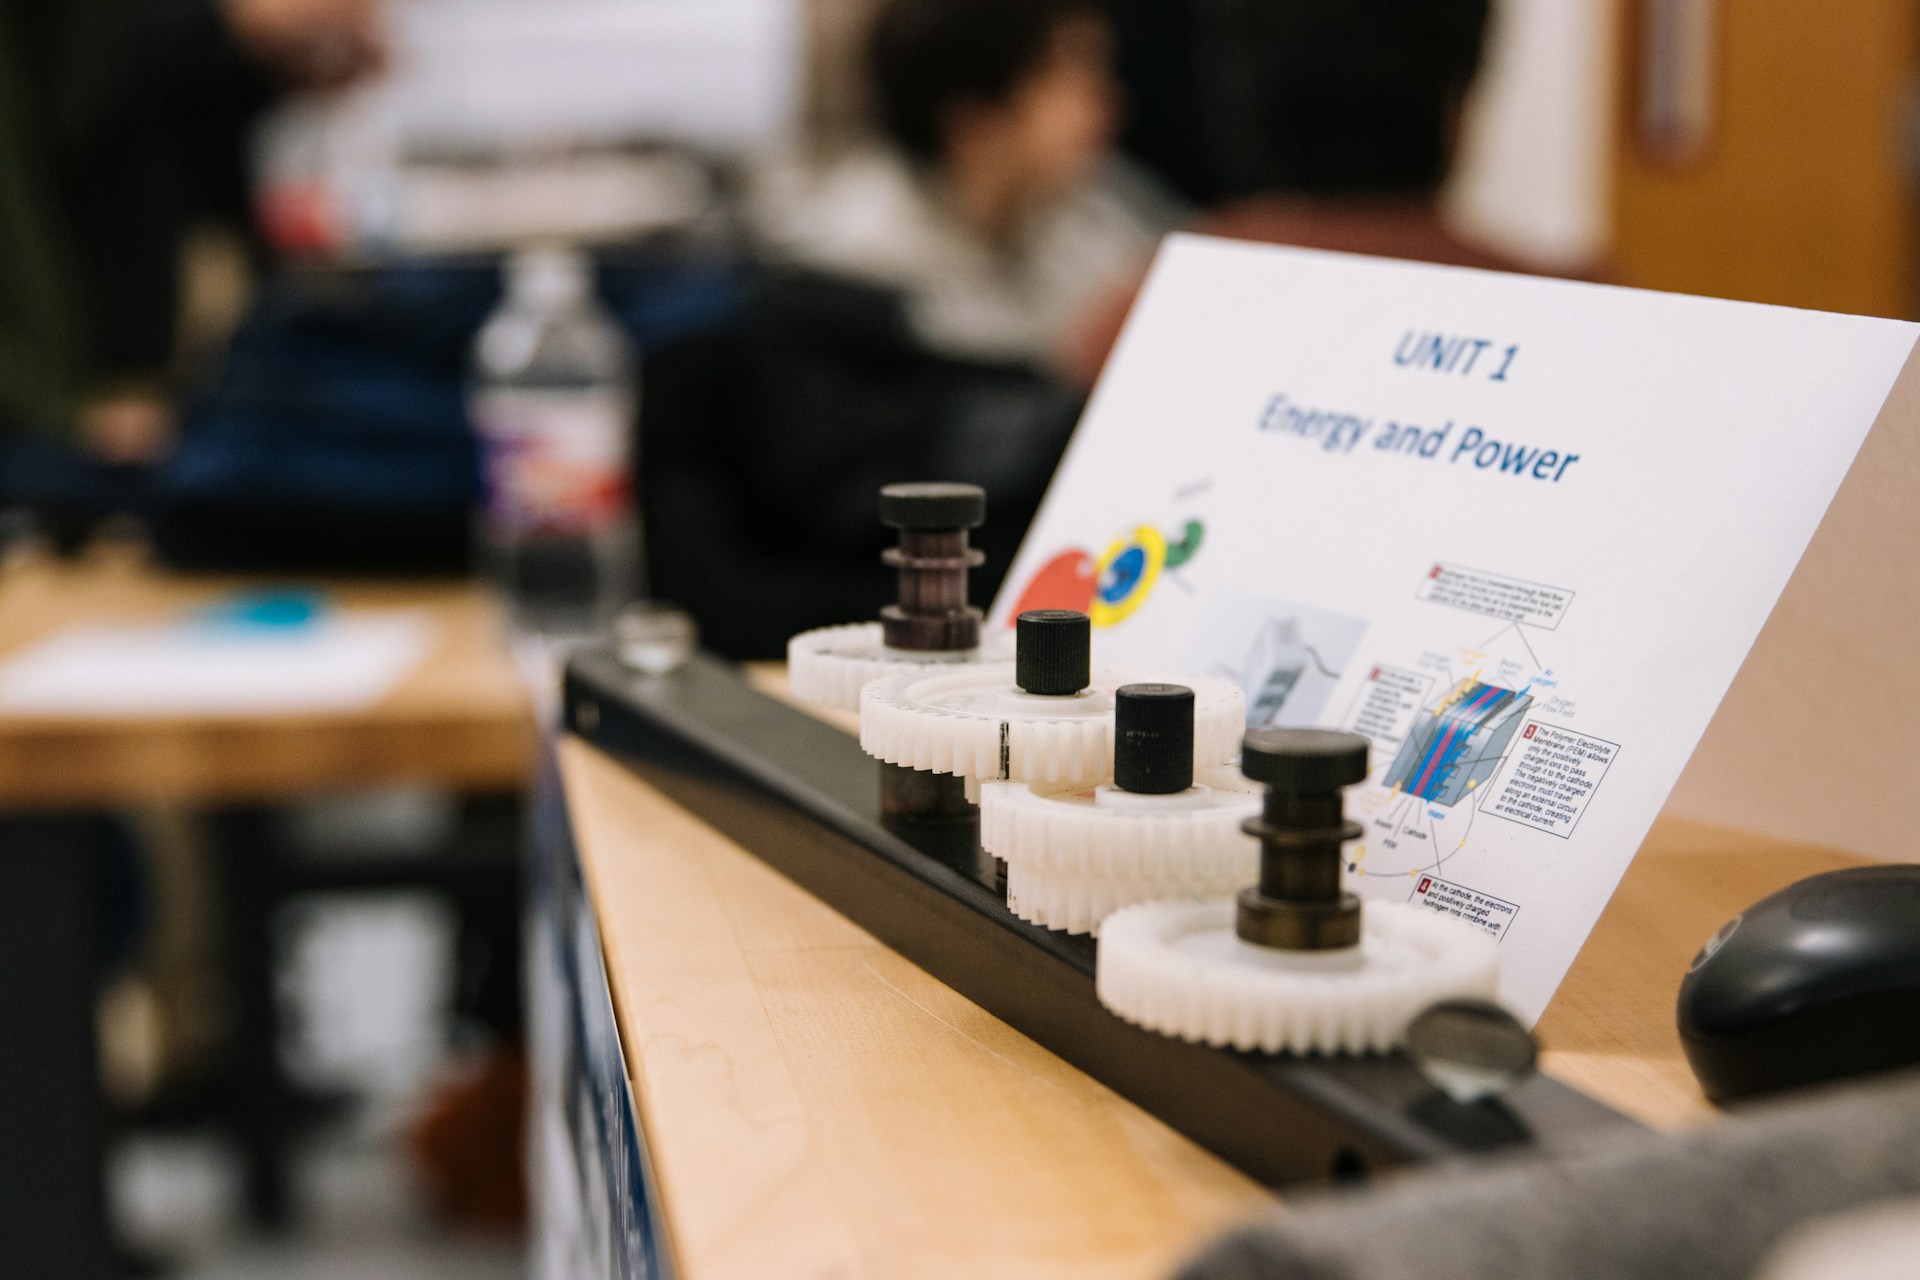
(1759, 151)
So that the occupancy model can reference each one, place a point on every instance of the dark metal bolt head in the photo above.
(1304, 761)
(933, 506)
(1298, 904)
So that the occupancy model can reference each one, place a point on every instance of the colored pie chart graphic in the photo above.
(1064, 582)
(1109, 590)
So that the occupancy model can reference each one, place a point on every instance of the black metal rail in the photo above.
(801, 795)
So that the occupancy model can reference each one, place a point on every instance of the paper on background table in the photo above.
(1518, 532)
(342, 661)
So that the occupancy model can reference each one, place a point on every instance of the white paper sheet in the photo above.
(496, 74)
(1520, 533)
(341, 661)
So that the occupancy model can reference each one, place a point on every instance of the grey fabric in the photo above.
(1704, 1205)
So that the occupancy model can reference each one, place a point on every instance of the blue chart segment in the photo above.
(1456, 746)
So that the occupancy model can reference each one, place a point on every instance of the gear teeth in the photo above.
(1236, 995)
(1058, 750)
(828, 666)
(1056, 899)
(1219, 721)
(930, 739)
(1057, 828)
(898, 725)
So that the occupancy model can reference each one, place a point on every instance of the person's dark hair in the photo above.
(1342, 96)
(926, 57)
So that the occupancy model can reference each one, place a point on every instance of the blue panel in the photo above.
(597, 1207)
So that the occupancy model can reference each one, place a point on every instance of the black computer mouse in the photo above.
(1818, 982)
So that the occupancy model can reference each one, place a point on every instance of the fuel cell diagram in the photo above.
(1456, 746)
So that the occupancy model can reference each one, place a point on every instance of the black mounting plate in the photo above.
(800, 794)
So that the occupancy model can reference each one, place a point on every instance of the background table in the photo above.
(811, 1103)
(462, 720)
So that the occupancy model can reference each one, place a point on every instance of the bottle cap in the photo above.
(1153, 738)
(1053, 652)
(933, 506)
(548, 275)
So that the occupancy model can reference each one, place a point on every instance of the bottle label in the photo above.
(555, 462)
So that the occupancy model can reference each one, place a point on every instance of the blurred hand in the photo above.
(312, 44)
(130, 428)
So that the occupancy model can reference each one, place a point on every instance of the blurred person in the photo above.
(1233, 98)
(312, 45)
(1325, 124)
(1338, 121)
(909, 323)
(992, 201)
(122, 124)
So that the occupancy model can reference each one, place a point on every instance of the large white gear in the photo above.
(828, 666)
(1178, 968)
(977, 723)
(1079, 903)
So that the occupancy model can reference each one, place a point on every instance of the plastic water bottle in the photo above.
(553, 404)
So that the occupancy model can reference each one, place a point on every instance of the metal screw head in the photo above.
(933, 506)
(654, 638)
(1471, 1049)
(1304, 761)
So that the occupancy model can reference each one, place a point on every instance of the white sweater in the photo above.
(869, 216)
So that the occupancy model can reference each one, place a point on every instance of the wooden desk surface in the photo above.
(816, 1105)
(463, 718)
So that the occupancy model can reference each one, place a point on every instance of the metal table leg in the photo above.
(248, 870)
(52, 1185)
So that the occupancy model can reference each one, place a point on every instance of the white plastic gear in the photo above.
(977, 723)
(1079, 903)
(1083, 830)
(1076, 853)
(828, 666)
(1178, 968)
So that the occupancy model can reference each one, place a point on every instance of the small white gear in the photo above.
(1178, 968)
(1078, 903)
(977, 723)
(828, 666)
(1102, 831)
(1076, 853)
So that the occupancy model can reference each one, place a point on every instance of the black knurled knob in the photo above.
(933, 506)
(1053, 652)
(1153, 738)
(1304, 761)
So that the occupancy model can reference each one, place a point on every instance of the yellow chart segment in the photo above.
(1153, 544)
